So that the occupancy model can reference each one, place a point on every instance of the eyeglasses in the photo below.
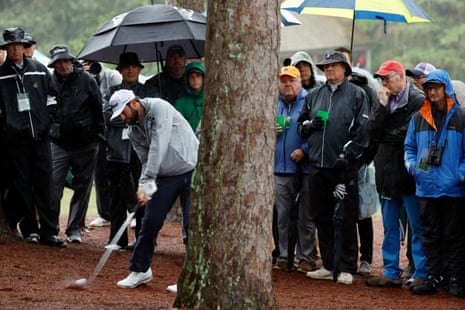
(388, 77)
(420, 77)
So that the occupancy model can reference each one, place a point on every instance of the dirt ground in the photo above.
(35, 277)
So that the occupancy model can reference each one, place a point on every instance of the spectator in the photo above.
(167, 149)
(26, 100)
(291, 172)
(435, 156)
(123, 166)
(105, 78)
(333, 119)
(304, 63)
(190, 105)
(419, 73)
(398, 100)
(365, 226)
(74, 146)
(169, 84)
(30, 47)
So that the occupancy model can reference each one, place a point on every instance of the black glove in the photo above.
(305, 128)
(341, 162)
(316, 123)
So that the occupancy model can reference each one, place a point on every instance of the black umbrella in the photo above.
(148, 31)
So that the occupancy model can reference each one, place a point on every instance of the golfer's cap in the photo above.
(387, 67)
(119, 100)
(175, 49)
(290, 71)
(423, 68)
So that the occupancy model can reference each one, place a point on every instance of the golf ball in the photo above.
(81, 282)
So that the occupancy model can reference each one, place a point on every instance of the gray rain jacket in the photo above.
(163, 140)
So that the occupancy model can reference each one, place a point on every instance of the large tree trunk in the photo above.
(228, 261)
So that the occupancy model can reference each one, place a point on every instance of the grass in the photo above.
(65, 200)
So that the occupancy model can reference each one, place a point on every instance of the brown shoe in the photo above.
(383, 281)
(280, 266)
(305, 266)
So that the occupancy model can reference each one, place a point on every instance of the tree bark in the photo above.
(228, 260)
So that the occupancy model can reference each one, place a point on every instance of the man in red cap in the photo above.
(398, 100)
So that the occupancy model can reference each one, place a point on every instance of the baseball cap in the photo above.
(423, 68)
(175, 49)
(119, 100)
(388, 67)
(290, 71)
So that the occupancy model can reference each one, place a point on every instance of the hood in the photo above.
(441, 76)
(305, 57)
(193, 66)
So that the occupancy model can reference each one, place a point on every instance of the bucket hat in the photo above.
(128, 59)
(331, 57)
(59, 52)
(13, 35)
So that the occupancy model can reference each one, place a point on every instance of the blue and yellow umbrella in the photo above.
(401, 11)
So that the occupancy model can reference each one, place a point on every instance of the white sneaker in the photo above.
(135, 279)
(345, 278)
(133, 224)
(365, 267)
(172, 288)
(99, 222)
(322, 274)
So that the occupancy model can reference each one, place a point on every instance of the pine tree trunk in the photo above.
(228, 261)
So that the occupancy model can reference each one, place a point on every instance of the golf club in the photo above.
(83, 282)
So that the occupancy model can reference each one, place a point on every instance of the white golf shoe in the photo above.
(172, 288)
(135, 279)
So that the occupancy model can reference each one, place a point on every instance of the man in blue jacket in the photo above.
(435, 156)
(291, 168)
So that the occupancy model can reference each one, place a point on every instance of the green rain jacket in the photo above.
(190, 105)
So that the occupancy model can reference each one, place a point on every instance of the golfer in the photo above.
(167, 148)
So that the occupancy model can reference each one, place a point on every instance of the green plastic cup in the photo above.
(283, 121)
(324, 115)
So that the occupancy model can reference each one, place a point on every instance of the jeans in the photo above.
(391, 242)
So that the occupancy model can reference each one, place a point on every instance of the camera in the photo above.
(435, 155)
(95, 68)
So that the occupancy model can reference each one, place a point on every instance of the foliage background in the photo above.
(73, 22)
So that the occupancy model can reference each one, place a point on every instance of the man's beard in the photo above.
(134, 117)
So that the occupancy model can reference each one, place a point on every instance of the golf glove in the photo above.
(340, 191)
(149, 187)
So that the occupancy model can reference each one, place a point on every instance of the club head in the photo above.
(78, 284)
